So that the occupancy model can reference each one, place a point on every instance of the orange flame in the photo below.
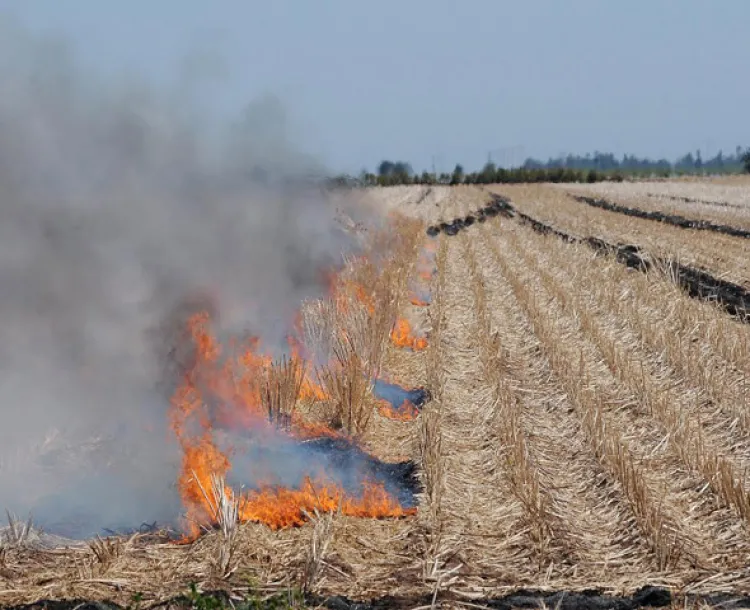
(401, 336)
(228, 394)
(416, 301)
(280, 507)
(407, 411)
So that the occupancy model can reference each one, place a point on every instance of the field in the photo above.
(587, 428)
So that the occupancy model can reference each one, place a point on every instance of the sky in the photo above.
(439, 81)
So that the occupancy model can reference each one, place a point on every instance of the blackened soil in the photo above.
(646, 597)
(699, 284)
(399, 478)
(670, 219)
(498, 206)
(719, 204)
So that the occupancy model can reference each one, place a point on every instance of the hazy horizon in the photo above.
(425, 83)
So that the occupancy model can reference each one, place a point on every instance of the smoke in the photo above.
(120, 209)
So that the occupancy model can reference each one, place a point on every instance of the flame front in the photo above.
(407, 411)
(280, 507)
(226, 395)
(402, 336)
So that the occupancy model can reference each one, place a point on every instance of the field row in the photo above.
(585, 442)
(721, 255)
(704, 200)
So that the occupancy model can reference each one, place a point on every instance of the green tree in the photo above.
(458, 174)
(489, 173)
(746, 161)
(385, 168)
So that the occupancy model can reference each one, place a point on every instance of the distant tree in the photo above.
(488, 174)
(746, 161)
(385, 168)
(458, 174)
(427, 178)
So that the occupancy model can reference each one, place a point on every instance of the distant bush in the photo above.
(393, 173)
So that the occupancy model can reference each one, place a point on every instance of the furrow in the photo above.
(696, 433)
(673, 451)
(626, 448)
(590, 524)
(483, 526)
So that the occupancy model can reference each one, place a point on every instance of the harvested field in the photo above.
(576, 437)
(720, 255)
(710, 201)
(670, 219)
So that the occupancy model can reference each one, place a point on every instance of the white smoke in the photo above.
(119, 205)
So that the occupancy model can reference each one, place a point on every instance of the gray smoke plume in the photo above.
(121, 211)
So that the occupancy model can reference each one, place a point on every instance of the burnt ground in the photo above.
(719, 204)
(699, 284)
(647, 597)
(499, 206)
(670, 219)
(399, 478)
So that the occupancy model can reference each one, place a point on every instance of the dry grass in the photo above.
(430, 440)
(18, 533)
(587, 430)
(660, 393)
(280, 390)
(607, 442)
(348, 384)
(322, 534)
(521, 473)
(721, 255)
(348, 332)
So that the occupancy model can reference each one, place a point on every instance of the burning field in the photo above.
(224, 382)
(449, 419)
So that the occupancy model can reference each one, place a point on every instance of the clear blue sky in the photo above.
(414, 78)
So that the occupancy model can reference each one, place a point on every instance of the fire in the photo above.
(280, 507)
(221, 389)
(345, 290)
(415, 300)
(407, 411)
(402, 336)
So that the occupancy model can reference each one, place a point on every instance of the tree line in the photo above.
(589, 168)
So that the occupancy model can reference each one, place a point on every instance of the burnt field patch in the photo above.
(733, 298)
(694, 200)
(670, 219)
(499, 206)
(646, 597)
